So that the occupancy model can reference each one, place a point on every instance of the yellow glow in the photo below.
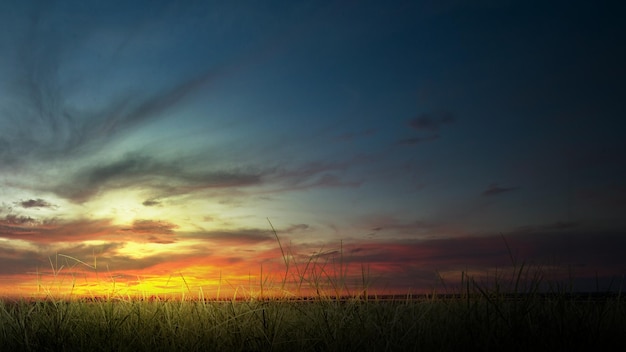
(122, 206)
(138, 250)
(175, 285)
(17, 244)
(94, 242)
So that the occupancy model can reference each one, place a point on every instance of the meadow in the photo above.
(509, 313)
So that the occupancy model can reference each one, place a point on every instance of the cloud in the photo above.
(387, 226)
(153, 227)
(431, 122)
(43, 120)
(296, 228)
(33, 247)
(331, 180)
(417, 140)
(49, 128)
(414, 263)
(18, 261)
(165, 178)
(234, 237)
(151, 203)
(13, 219)
(399, 264)
(494, 189)
(312, 175)
(392, 224)
(35, 203)
(68, 256)
(152, 231)
(63, 135)
(53, 230)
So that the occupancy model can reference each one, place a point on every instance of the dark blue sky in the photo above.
(144, 128)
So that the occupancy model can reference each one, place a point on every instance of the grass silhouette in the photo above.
(509, 312)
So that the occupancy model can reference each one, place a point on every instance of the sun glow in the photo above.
(122, 206)
(107, 285)
(139, 250)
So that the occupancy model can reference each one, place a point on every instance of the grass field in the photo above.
(509, 313)
(480, 321)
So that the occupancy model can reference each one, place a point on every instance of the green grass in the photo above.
(509, 312)
(437, 324)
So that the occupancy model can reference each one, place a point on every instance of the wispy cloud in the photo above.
(69, 146)
(44, 120)
(296, 228)
(381, 226)
(165, 178)
(312, 175)
(68, 132)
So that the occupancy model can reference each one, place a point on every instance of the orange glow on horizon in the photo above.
(185, 279)
(225, 265)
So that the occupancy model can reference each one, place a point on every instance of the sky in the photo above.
(215, 147)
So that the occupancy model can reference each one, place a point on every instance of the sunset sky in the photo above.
(143, 142)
